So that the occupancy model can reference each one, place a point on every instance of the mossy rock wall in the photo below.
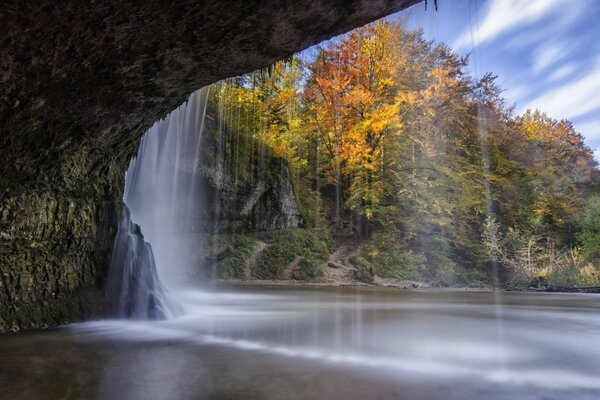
(56, 240)
(54, 250)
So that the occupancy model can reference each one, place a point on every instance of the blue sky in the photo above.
(546, 53)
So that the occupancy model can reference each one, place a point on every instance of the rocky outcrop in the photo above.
(54, 249)
(56, 239)
(236, 205)
(245, 190)
(260, 198)
(80, 82)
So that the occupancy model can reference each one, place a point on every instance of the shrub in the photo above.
(273, 261)
(313, 245)
(387, 257)
(590, 231)
(364, 269)
(535, 262)
(238, 250)
(307, 269)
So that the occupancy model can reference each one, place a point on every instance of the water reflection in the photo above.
(329, 343)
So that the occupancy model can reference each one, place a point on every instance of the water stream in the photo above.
(134, 289)
(257, 342)
(161, 197)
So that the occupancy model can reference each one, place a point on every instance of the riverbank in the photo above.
(400, 284)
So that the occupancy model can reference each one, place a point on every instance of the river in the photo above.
(259, 342)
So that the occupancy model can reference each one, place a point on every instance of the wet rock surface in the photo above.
(236, 205)
(54, 249)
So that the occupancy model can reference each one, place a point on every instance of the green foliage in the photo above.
(317, 242)
(237, 249)
(274, 260)
(308, 269)
(590, 231)
(364, 269)
(310, 204)
(312, 246)
(386, 256)
(586, 276)
(532, 261)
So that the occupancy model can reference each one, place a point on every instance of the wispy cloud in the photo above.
(574, 98)
(545, 53)
(502, 16)
(549, 54)
(589, 129)
(516, 91)
(562, 72)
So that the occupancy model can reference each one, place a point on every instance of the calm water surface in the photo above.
(321, 343)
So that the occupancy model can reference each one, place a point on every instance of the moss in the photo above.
(78, 305)
(364, 269)
(306, 242)
(230, 253)
(239, 249)
(312, 245)
(307, 269)
(55, 249)
(273, 261)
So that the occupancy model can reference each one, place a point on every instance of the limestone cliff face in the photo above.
(242, 193)
(235, 205)
(80, 82)
(276, 207)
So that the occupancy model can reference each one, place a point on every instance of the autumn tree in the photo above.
(353, 108)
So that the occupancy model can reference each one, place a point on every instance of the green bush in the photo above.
(364, 269)
(587, 276)
(462, 276)
(307, 269)
(386, 256)
(238, 250)
(590, 231)
(273, 261)
(313, 245)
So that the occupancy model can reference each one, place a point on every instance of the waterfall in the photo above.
(161, 197)
(135, 290)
